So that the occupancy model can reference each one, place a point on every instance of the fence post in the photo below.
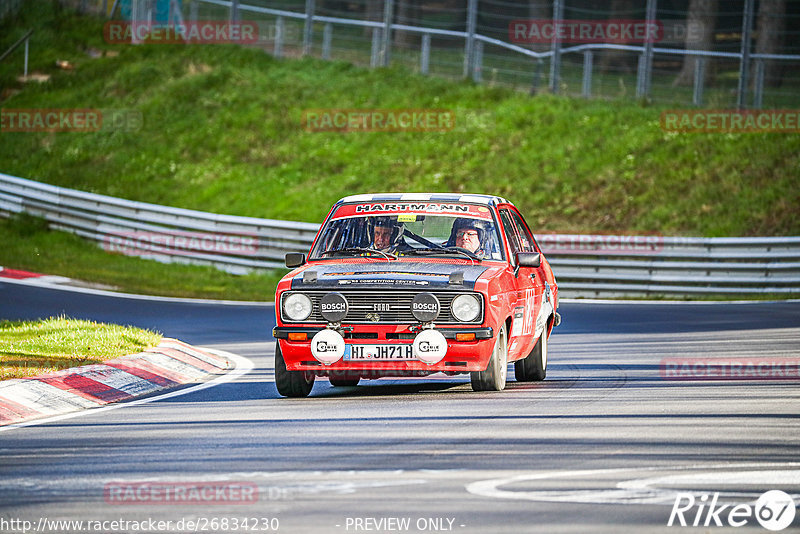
(588, 59)
(646, 66)
(308, 27)
(537, 76)
(758, 91)
(234, 15)
(277, 46)
(327, 35)
(699, 80)
(744, 66)
(555, 60)
(424, 59)
(376, 44)
(469, 43)
(386, 49)
(25, 72)
(477, 63)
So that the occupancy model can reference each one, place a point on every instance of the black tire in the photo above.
(533, 368)
(291, 383)
(493, 378)
(343, 380)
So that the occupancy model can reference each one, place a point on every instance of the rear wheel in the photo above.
(533, 367)
(494, 377)
(291, 383)
(342, 380)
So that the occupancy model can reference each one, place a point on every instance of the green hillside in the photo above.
(222, 131)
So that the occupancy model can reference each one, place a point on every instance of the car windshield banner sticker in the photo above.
(417, 208)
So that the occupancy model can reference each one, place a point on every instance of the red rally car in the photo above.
(415, 284)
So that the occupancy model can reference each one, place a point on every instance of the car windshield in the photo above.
(410, 229)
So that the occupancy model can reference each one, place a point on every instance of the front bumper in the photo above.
(462, 356)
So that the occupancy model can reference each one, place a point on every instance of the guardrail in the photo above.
(585, 265)
(234, 244)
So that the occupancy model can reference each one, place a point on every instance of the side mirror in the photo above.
(294, 259)
(529, 259)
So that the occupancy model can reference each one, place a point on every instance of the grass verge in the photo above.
(30, 348)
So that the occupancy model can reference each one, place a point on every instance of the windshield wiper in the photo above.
(443, 250)
(387, 255)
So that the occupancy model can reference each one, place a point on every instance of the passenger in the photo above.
(469, 234)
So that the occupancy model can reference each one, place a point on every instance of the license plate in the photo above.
(378, 352)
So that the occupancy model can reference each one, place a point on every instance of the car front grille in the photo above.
(373, 307)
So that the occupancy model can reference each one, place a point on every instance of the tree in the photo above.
(700, 21)
(771, 28)
(619, 59)
(373, 10)
(409, 12)
(540, 10)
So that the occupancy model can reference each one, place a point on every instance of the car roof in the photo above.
(488, 200)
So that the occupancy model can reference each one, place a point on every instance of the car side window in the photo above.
(526, 239)
(511, 235)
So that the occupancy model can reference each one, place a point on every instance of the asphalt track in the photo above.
(603, 445)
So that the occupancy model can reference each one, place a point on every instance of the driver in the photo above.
(469, 234)
(387, 235)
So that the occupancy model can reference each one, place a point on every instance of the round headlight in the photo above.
(297, 307)
(466, 308)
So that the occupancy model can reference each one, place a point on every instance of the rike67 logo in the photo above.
(774, 510)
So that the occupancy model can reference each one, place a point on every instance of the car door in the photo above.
(544, 292)
(528, 289)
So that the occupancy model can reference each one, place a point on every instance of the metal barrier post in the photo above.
(758, 91)
(308, 28)
(555, 61)
(375, 50)
(587, 73)
(277, 46)
(646, 65)
(424, 59)
(477, 68)
(193, 11)
(699, 80)
(327, 34)
(234, 15)
(25, 71)
(386, 49)
(469, 42)
(744, 65)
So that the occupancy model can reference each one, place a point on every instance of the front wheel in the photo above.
(533, 368)
(291, 383)
(493, 378)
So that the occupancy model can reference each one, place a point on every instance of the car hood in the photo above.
(396, 274)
